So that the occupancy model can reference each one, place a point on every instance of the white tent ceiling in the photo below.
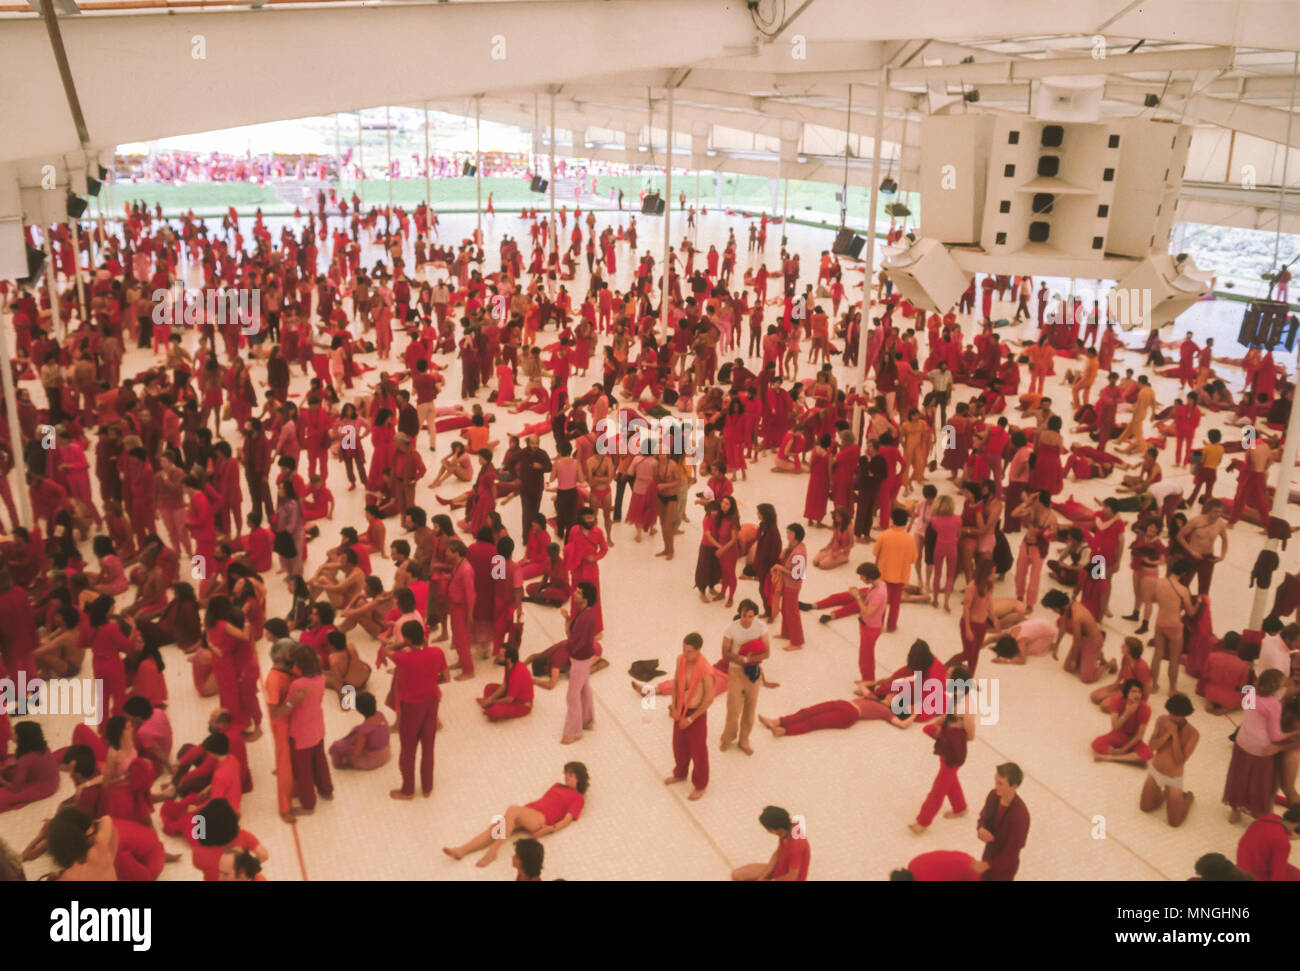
(769, 91)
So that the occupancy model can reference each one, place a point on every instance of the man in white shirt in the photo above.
(745, 646)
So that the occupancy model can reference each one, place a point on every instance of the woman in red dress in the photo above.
(1046, 472)
(819, 486)
(728, 545)
(733, 437)
(382, 435)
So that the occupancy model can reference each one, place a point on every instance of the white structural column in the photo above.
(83, 309)
(555, 243)
(388, 132)
(18, 482)
(478, 163)
(52, 283)
(664, 300)
(428, 193)
(882, 85)
(361, 162)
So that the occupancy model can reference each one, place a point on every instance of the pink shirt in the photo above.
(566, 475)
(307, 718)
(947, 529)
(1260, 728)
(878, 596)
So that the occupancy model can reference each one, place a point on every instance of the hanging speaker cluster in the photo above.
(469, 169)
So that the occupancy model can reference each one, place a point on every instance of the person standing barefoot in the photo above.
(693, 691)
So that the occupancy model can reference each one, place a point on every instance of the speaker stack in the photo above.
(652, 205)
(848, 243)
(1269, 324)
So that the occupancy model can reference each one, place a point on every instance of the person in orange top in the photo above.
(792, 856)
(895, 553)
(693, 692)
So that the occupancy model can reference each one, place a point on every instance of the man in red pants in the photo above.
(460, 600)
(871, 604)
(693, 692)
(1252, 483)
(419, 668)
(950, 738)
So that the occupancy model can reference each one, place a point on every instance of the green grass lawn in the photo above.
(812, 201)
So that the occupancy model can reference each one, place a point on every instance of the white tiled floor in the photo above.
(857, 789)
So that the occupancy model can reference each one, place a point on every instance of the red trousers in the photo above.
(501, 711)
(1250, 492)
(791, 619)
(1103, 744)
(895, 604)
(692, 745)
(946, 786)
(311, 773)
(826, 714)
(844, 603)
(867, 637)
(318, 458)
(249, 682)
(460, 638)
(970, 647)
(417, 725)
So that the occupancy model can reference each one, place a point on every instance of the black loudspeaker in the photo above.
(532, 186)
(1042, 204)
(848, 243)
(76, 206)
(1267, 322)
(1039, 232)
(1052, 136)
(93, 186)
(653, 205)
(35, 266)
(1048, 166)
(888, 186)
(541, 185)
(659, 207)
(468, 169)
